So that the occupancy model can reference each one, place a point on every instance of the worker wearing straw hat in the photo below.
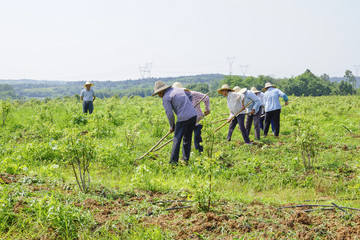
(254, 112)
(273, 107)
(196, 98)
(235, 102)
(178, 101)
(87, 95)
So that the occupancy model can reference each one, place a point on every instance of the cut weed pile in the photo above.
(181, 219)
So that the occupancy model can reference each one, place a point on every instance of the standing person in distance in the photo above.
(88, 96)
(178, 101)
(273, 107)
(235, 104)
(196, 97)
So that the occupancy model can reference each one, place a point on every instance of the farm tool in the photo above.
(168, 134)
(284, 104)
(242, 109)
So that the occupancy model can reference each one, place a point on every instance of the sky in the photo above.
(130, 39)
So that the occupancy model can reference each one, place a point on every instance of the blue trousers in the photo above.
(88, 107)
(183, 131)
(238, 120)
(198, 138)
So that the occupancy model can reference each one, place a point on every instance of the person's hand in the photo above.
(207, 112)
(286, 103)
(252, 112)
(229, 120)
(171, 130)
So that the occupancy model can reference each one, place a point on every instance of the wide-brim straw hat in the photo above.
(267, 85)
(224, 87)
(240, 90)
(159, 86)
(254, 90)
(88, 83)
(179, 85)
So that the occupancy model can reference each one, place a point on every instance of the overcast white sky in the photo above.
(110, 39)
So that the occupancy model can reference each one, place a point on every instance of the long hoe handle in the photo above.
(154, 146)
(233, 116)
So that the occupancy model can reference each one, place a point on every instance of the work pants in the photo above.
(88, 107)
(183, 131)
(198, 138)
(256, 119)
(275, 117)
(238, 120)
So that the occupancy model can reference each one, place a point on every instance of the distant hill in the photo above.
(29, 88)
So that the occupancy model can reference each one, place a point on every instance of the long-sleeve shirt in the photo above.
(256, 102)
(196, 97)
(178, 101)
(271, 99)
(234, 102)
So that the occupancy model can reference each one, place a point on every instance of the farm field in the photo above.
(231, 191)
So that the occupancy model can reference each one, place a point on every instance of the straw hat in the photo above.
(236, 88)
(88, 83)
(159, 86)
(267, 85)
(179, 85)
(224, 87)
(254, 90)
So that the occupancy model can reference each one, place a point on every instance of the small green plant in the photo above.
(81, 153)
(5, 110)
(306, 140)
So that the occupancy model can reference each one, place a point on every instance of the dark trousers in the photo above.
(262, 123)
(198, 138)
(88, 107)
(183, 131)
(256, 119)
(238, 120)
(275, 117)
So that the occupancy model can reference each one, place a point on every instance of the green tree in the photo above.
(350, 78)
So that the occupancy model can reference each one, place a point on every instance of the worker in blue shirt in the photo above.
(273, 107)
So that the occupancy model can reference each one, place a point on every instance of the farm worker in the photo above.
(254, 112)
(273, 107)
(178, 101)
(88, 96)
(260, 94)
(196, 97)
(235, 102)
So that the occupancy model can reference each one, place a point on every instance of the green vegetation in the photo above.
(306, 84)
(315, 157)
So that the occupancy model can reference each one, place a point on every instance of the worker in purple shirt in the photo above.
(196, 98)
(178, 101)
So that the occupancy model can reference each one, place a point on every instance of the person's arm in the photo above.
(169, 113)
(284, 96)
(257, 102)
(82, 95)
(93, 95)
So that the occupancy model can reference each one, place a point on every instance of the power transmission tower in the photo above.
(243, 69)
(145, 70)
(357, 68)
(230, 61)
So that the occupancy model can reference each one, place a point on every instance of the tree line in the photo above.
(307, 84)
